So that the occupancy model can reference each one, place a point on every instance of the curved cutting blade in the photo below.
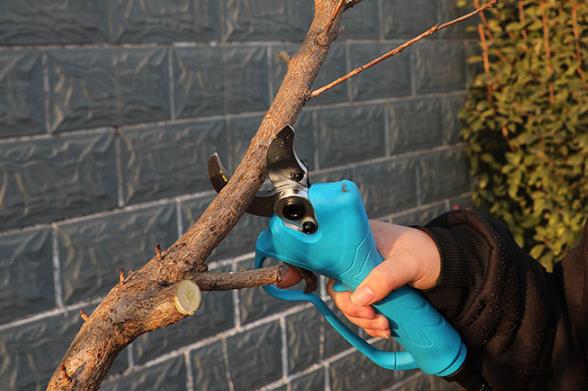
(283, 165)
(262, 204)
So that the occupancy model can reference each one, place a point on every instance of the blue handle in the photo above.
(388, 360)
(343, 248)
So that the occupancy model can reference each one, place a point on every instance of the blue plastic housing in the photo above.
(343, 248)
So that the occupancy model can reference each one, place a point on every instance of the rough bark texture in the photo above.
(143, 302)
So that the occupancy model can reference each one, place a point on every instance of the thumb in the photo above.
(389, 275)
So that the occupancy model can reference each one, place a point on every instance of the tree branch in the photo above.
(141, 302)
(399, 49)
(213, 281)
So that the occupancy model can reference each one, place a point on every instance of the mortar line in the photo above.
(170, 71)
(189, 376)
(327, 377)
(284, 351)
(56, 269)
(119, 170)
(226, 361)
(130, 356)
(179, 221)
(270, 84)
(47, 314)
(222, 117)
(46, 102)
(236, 301)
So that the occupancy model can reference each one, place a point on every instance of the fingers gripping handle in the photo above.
(388, 360)
(415, 324)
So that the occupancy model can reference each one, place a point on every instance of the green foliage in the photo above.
(526, 122)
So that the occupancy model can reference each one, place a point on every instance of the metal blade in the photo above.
(283, 165)
(261, 205)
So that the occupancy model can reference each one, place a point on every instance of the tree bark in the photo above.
(142, 301)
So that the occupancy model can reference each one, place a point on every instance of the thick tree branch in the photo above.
(141, 301)
(399, 49)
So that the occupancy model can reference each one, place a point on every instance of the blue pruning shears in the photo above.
(324, 228)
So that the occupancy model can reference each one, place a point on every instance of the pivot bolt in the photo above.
(308, 227)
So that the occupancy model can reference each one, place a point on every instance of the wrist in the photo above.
(429, 260)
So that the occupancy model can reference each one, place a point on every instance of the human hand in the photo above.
(411, 258)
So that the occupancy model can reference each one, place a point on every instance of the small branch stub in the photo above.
(84, 315)
(188, 297)
(284, 57)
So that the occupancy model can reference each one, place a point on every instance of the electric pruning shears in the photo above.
(324, 228)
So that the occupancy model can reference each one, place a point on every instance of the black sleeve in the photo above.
(512, 314)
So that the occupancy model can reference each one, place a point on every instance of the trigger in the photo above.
(340, 287)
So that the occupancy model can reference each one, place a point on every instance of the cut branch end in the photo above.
(188, 297)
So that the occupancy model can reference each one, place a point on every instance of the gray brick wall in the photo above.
(108, 111)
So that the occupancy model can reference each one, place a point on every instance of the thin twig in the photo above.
(397, 50)
(484, 20)
(522, 18)
(485, 62)
(577, 41)
(547, 51)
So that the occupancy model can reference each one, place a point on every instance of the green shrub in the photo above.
(526, 122)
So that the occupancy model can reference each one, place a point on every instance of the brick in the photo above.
(97, 87)
(451, 107)
(198, 81)
(333, 341)
(48, 179)
(209, 367)
(440, 66)
(26, 268)
(164, 21)
(355, 372)
(22, 109)
(387, 79)
(259, 20)
(52, 22)
(414, 125)
(242, 238)
(216, 80)
(143, 84)
(444, 174)
(333, 67)
(303, 335)
(408, 18)
(255, 303)
(214, 316)
(388, 187)
(312, 381)
(430, 383)
(92, 251)
(170, 375)
(169, 160)
(349, 134)
(255, 357)
(361, 22)
(31, 351)
(246, 78)
(421, 216)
